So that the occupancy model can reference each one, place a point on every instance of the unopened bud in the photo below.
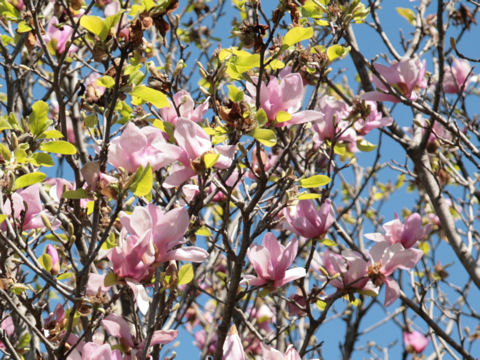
(46, 221)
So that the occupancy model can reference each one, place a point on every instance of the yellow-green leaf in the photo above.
(308, 196)
(46, 261)
(75, 194)
(95, 25)
(297, 34)
(276, 64)
(203, 231)
(52, 134)
(321, 304)
(23, 27)
(328, 242)
(210, 159)
(315, 181)
(185, 274)
(283, 116)
(424, 246)
(150, 95)
(143, 186)
(42, 159)
(265, 136)
(2, 218)
(106, 81)
(261, 117)
(64, 276)
(59, 147)
(408, 14)
(234, 93)
(29, 179)
(337, 51)
(110, 279)
(366, 146)
(38, 121)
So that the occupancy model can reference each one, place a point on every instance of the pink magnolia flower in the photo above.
(117, 327)
(94, 351)
(269, 353)
(406, 234)
(233, 348)
(27, 203)
(374, 120)
(385, 258)
(195, 143)
(186, 108)
(456, 77)
(306, 220)
(415, 341)
(164, 229)
(53, 253)
(271, 261)
(9, 328)
(352, 268)
(60, 34)
(139, 147)
(94, 91)
(283, 94)
(407, 76)
(332, 124)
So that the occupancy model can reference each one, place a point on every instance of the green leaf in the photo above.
(75, 194)
(91, 120)
(283, 116)
(5, 152)
(143, 182)
(185, 274)
(337, 51)
(150, 95)
(46, 261)
(321, 304)
(308, 196)
(297, 34)
(265, 136)
(315, 181)
(42, 159)
(24, 341)
(95, 25)
(234, 93)
(64, 276)
(261, 117)
(106, 81)
(29, 179)
(52, 134)
(38, 121)
(110, 279)
(408, 14)
(366, 146)
(328, 242)
(59, 147)
(23, 27)
(210, 159)
(203, 231)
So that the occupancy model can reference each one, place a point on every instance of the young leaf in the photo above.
(150, 95)
(261, 117)
(29, 179)
(315, 181)
(210, 159)
(46, 261)
(143, 186)
(59, 147)
(38, 121)
(283, 116)
(185, 274)
(42, 159)
(408, 14)
(234, 93)
(297, 34)
(203, 231)
(337, 51)
(106, 81)
(95, 25)
(308, 196)
(266, 136)
(75, 194)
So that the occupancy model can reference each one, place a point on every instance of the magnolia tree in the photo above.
(238, 180)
